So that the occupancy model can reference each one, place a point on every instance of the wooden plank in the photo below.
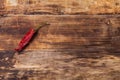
(67, 31)
(71, 47)
(60, 7)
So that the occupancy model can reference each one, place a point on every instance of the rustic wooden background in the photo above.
(81, 43)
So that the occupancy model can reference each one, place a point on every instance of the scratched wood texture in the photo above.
(60, 7)
(75, 46)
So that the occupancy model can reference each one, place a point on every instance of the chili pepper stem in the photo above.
(41, 25)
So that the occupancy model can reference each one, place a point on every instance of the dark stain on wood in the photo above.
(6, 59)
(14, 31)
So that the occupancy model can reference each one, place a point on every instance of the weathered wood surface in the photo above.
(70, 48)
(59, 7)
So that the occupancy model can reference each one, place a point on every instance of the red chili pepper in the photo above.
(28, 36)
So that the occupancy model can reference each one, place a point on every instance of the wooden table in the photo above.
(81, 43)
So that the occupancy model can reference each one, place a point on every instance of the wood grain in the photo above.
(60, 7)
(63, 32)
(72, 47)
(75, 46)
